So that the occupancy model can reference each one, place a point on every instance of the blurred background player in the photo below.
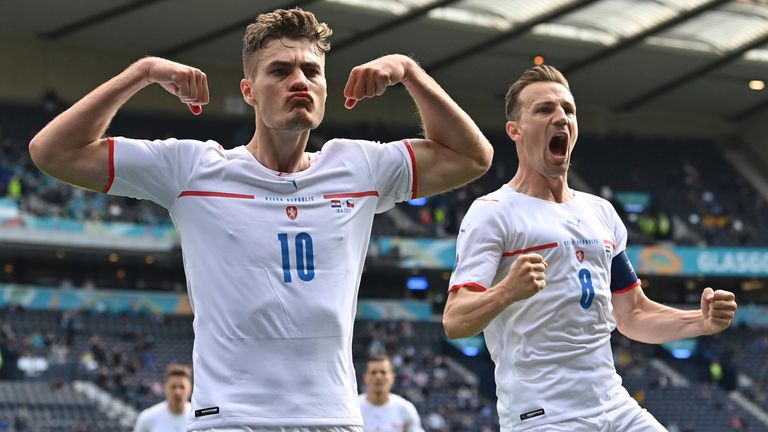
(542, 271)
(172, 414)
(384, 411)
(273, 260)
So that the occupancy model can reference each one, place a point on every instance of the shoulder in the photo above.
(152, 412)
(596, 202)
(159, 407)
(604, 211)
(171, 142)
(398, 400)
(490, 206)
(341, 144)
(363, 146)
(346, 150)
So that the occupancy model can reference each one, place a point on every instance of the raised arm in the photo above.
(72, 148)
(644, 320)
(469, 311)
(454, 152)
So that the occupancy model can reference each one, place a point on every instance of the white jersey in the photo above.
(397, 415)
(273, 263)
(552, 351)
(158, 418)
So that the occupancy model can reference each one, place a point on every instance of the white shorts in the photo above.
(629, 417)
(286, 429)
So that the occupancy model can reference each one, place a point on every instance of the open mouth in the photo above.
(558, 145)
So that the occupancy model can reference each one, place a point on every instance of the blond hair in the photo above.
(178, 370)
(540, 73)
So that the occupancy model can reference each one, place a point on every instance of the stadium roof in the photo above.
(677, 56)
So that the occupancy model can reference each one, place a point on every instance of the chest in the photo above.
(566, 238)
(253, 217)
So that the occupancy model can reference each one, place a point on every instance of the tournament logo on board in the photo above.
(292, 212)
(580, 255)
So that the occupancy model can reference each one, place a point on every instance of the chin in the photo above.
(299, 124)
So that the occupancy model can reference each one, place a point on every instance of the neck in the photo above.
(539, 186)
(377, 398)
(280, 150)
(176, 407)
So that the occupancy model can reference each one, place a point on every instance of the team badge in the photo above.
(291, 212)
(580, 255)
(350, 203)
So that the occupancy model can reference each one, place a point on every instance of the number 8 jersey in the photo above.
(552, 351)
(273, 263)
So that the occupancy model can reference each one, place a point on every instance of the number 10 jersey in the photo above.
(273, 263)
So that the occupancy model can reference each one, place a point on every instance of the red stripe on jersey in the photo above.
(415, 183)
(216, 194)
(472, 286)
(531, 249)
(627, 289)
(111, 142)
(608, 242)
(351, 194)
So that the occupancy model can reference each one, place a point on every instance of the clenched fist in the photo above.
(372, 78)
(525, 277)
(718, 308)
(189, 84)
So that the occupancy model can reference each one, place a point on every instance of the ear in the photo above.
(513, 131)
(245, 89)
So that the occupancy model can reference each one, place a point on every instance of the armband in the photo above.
(623, 276)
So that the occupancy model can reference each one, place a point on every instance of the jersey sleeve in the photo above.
(393, 171)
(154, 170)
(623, 276)
(141, 423)
(619, 232)
(479, 248)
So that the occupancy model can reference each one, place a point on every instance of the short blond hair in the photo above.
(539, 73)
(178, 370)
(291, 23)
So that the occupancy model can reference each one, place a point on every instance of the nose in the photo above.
(560, 118)
(298, 80)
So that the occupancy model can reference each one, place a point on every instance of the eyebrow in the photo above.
(552, 102)
(285, 63)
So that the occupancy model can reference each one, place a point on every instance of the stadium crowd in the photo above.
(692, 195)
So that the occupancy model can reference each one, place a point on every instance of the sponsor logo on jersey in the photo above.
(580, 255)
(292, 212)
(576, 223)
(206, 411)
(531, 414)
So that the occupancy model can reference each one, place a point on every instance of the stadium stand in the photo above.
(123, 354)
(692, 195)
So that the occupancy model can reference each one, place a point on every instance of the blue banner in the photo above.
(440, 254)
(109, 301)
(690, 261)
